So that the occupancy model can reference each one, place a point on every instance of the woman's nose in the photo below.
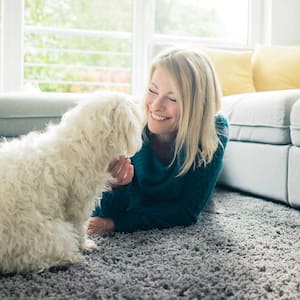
(157, 103)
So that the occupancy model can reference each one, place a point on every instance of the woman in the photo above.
(169, 181)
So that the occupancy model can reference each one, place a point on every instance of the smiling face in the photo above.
(162, 105)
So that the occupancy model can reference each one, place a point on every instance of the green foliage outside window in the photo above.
(82, 46)
(63, 57)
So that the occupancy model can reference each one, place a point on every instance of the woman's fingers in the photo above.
(114, 166)
(127, 175)
(122, 170)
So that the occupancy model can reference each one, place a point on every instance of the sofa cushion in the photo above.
(24, 112)
(256, 168)
(234, 70)
(295, 123)
(276, 67)
(262, 117)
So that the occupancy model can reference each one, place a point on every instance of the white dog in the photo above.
(49, 181)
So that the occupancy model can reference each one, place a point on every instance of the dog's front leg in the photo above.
(78, 215)
(88, 245)
(85, 243)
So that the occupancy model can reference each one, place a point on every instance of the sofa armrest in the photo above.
(21, 113)
(261, 117)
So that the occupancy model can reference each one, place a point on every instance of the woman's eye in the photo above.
(172, 99)
(152, 91)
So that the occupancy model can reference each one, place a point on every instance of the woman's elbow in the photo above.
(189, 219)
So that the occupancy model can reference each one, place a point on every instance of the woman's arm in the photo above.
(197, 189)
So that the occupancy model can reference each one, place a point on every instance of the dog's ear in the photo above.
(98, 120)
(129, 120)
(89, 120)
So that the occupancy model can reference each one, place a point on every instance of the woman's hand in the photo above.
(98, 225)
(122, 170)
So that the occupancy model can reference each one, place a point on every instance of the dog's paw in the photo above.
(89, 245)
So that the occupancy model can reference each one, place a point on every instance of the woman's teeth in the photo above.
(158, 118)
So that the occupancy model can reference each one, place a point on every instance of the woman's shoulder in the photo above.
(222, 127)
(221, 121)
(222, 124)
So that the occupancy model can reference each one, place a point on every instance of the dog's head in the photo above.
(125, 120)
(110, 122)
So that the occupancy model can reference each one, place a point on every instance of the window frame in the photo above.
(12, 64)
(143, 41)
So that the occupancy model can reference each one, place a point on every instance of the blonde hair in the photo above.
(199, 100)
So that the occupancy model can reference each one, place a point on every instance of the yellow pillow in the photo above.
(276, 67)
(234, 70)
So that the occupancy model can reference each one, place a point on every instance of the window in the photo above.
(83, 46)
(78, 45)
(214, 21)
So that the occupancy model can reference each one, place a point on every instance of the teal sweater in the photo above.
(156, 198)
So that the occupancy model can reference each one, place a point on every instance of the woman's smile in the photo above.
(158, 117)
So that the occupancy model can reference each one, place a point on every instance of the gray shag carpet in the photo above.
(241, 248)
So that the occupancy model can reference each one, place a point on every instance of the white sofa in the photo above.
(263, 155)
(261, 89)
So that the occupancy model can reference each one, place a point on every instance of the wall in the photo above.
(280, 22)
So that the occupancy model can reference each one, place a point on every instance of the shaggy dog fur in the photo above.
(50, 180)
